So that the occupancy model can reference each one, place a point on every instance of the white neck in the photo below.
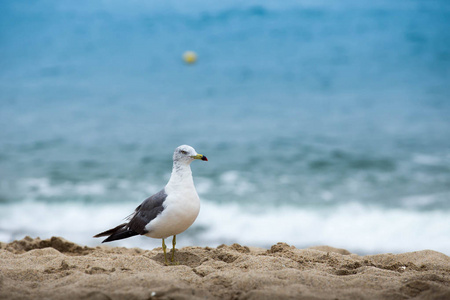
(181, 175)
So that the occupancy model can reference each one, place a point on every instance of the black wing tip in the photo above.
(111, 231)
(108, 239)
(120, 235)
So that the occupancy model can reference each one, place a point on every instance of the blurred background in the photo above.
(324, 122)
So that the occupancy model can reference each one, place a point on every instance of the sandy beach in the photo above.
(58, 269)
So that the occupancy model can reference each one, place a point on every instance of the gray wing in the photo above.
(147, 211)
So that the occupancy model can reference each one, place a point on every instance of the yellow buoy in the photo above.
(189, 57)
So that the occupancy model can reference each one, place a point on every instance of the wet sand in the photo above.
(59, 269)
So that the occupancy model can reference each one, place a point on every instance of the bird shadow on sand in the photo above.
(182, 258)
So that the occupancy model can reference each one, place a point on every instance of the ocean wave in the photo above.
(46, 190)
(411, 185)
(43, 187)
(358, 228)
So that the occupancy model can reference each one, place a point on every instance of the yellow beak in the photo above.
(200, 156)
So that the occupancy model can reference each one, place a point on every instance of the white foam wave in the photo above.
(74, 222)
(430, 160)
(235, 183)
(358, 228)
(43, 187)
(352, 226)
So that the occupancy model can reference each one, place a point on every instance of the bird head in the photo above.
(187, 154)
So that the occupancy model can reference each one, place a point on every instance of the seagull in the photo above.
(168, 212)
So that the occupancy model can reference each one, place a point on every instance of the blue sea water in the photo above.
(323, 123)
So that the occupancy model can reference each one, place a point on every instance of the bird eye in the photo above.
(183, 152)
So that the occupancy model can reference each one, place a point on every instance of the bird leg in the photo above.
(174, 242)
(164, 249)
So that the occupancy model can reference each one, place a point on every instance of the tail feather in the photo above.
(123, 234)
(110, 231)
(117, 233)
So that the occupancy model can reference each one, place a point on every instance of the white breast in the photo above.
(181, 208)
